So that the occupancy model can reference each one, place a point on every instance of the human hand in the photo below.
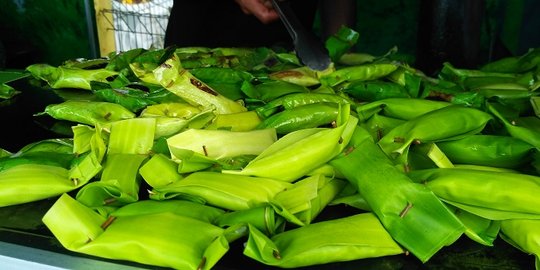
(261, 9)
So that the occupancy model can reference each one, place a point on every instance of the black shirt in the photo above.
(221, 23)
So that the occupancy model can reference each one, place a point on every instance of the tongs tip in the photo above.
(309, 49)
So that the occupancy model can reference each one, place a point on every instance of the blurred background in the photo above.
(467, 33)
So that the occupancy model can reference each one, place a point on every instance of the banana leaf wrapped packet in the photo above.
(176, 234)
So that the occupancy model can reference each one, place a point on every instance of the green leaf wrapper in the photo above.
(297, 153)
(452, 122)
(351, 238)
(32, 182)
(232, 192)
(411, 213)
(161, 238)
(493, 195)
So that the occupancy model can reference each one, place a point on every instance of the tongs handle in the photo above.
(308, 47)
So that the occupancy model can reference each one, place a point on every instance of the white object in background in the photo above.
(141, 25)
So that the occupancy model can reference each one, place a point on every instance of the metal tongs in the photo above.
(309, 49)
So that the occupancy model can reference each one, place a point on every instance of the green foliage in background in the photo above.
(52, 30)
(384, 24)
(510, 27)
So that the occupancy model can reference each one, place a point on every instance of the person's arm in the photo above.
(261, 9)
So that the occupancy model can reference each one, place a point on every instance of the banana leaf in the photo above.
(307, 197)
(172, 118)
(399, 108)
(171, 109)
(55, 152)
(479, 229)
(345, 239)
(82, 136)
(264, 218)
(120, 60)
(341, 42)
(231, 192)
(484, 168)
(226, 81)
(59, 145)
(182, 83)
(493, 195)
(411, 213)
(453, 122)
(368, 91)
(365, 72)
(88, 112)
(69, 77)
(356, 58)
(88, 164)
(247, 58)
(160, 171)
(302, 117)
(270, 90)
(6, 90)
(350, 196)
(379, 125)
(218, 144)
(143, 64)
(162, 238)
(299, 152)
(488, 150)
(517, 100)
(463, 76)
(303, 76)
(242, 121)
(29, 182)
(431, 152)
(524, 235)
(535, 103)
(132, 136)
(294, 100)
(189, 161)
(132, 99)
(4, 153)
(515, 64)
(528, 133)
(118, 185)
(451, 92)
(45, 158)
(536, 162)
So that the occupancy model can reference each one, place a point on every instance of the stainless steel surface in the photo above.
(18, 257)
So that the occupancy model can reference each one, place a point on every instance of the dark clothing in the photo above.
(221, 23)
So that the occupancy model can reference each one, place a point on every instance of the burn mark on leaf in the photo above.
(276, 254)
(202, 87)
(166, 65)
(287, 74)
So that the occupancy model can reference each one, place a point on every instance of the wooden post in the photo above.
(105, 26)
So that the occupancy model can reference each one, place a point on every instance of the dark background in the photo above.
(52, 31)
